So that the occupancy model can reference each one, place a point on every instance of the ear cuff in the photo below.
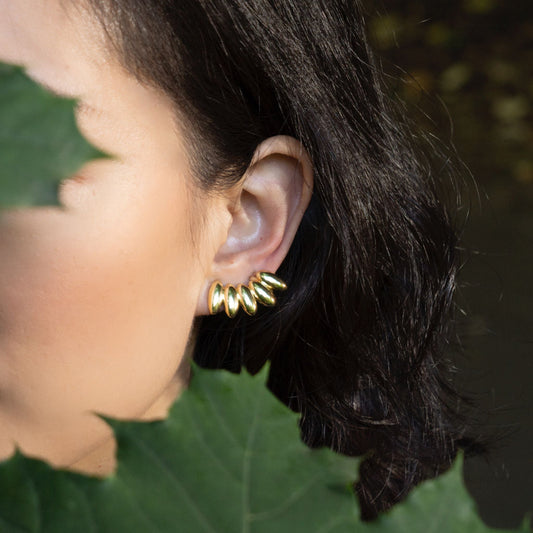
(259, 290)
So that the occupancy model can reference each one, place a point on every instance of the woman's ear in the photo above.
(265, 210)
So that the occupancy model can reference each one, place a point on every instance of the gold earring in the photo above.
(259, 290)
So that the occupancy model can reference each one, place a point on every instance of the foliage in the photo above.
(39, 141)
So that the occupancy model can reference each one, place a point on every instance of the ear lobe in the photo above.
(265, 213)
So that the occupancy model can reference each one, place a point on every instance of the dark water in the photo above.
(469, 66)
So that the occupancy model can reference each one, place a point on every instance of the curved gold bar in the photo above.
(262, 293)
(231, 300)
(271, 281)
(248, 301)
(216, 297)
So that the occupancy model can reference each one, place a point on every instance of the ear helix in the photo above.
(258, 290)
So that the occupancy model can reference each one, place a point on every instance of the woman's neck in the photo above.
(101, 461)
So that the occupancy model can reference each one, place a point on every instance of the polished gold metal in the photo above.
(216, 297)
(271, 281)
(262, 293)
(259, 290)
(247, 299)
(231, 300)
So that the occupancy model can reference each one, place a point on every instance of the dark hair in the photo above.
(356, 344)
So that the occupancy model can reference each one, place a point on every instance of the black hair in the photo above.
(357, 343)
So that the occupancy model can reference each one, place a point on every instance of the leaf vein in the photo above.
(212, 454)
(164, 467)
(222, 421)
(297, 495)
(246, 473)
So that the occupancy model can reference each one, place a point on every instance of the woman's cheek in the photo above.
(92, 315)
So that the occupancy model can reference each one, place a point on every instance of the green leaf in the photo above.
(227, 459)
(441, 505)
(40, 144)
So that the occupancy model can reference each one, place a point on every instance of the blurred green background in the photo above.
(465, 70)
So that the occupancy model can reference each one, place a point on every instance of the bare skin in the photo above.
(98, 298)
